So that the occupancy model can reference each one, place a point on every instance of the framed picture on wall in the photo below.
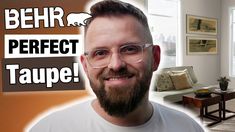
(201, 25)
(201, 45)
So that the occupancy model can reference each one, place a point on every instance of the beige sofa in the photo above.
(175, 95)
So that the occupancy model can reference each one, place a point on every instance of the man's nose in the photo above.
(116, 63)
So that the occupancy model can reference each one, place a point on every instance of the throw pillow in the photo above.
(187, 75)
(180, 81)
(164, 82)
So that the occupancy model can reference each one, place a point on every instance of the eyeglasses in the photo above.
(131, 53)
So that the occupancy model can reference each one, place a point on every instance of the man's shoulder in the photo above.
(73, 110)
(73, 115)
(175, 117)
(167, 110)
(76, 108)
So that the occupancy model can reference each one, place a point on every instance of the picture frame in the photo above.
(201, 25)
(201, 45)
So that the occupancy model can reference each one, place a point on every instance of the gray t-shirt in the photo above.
(83, 118)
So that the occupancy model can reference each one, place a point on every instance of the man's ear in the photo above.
(156, 57)
(84, 63)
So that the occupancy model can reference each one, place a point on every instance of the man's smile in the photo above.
(119, 79)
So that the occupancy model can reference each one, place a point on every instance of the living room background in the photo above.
(207, 67)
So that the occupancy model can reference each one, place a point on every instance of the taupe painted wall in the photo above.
(207, 67)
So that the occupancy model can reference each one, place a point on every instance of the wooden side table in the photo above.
(203, 104)
(225, 96)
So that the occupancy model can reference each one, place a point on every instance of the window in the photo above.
(163, 22)
(232, 63)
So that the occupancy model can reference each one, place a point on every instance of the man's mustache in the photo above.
(123, 72)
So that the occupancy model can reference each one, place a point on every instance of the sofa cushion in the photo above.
(180, 80)
(174, 95)
(164, 83)
(170, 96)
(189, 68)
(185, 71)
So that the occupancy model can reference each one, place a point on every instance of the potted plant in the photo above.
(223, 83)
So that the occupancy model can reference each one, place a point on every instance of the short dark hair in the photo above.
(116, 8)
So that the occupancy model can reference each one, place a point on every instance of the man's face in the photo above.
(120, 86)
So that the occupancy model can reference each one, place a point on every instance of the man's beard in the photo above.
(121, 101)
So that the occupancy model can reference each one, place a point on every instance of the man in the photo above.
(119, 60)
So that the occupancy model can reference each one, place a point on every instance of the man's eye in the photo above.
(100, 53)
(131, 49)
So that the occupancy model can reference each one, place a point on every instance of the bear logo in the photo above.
(77, 19)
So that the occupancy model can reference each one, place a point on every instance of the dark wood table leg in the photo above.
(213, 117)
(223, 109)
(201, 113)
(220, 109)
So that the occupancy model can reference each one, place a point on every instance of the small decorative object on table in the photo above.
(202, 93)
(223, 83)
